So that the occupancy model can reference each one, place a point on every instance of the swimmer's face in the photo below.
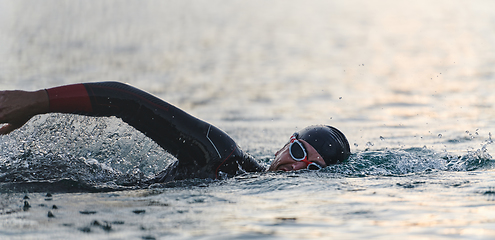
(284, 162)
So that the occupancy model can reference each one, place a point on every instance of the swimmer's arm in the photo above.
(181, 134)
(17, 107)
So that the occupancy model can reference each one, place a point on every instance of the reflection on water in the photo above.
(408, 82)
(314, 206)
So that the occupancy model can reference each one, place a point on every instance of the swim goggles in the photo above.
(298, 153)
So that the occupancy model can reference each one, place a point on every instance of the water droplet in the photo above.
(369, 144)
(439, 135)
(382, 138)
(356, 145)
(340, 97)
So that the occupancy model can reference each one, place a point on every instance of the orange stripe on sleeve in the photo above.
(69, 99)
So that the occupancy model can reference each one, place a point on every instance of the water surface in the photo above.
(409, 83)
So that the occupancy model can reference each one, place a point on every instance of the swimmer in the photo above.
(202, 150)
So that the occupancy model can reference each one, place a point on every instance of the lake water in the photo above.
(409, 82)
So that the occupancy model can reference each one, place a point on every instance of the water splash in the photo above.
(84, 150)
(73, 153)
(412, 160)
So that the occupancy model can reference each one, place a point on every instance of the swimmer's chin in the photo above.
(276, 169)
(283, 170)
(279, 169)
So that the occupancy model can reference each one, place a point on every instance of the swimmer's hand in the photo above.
(17, 107)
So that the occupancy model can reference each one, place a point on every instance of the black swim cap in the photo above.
(328, 141)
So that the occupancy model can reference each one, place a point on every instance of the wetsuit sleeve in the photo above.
(203, 150)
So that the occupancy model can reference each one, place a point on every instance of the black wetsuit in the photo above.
(202, 150)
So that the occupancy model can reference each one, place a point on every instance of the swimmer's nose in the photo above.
(298, 166)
